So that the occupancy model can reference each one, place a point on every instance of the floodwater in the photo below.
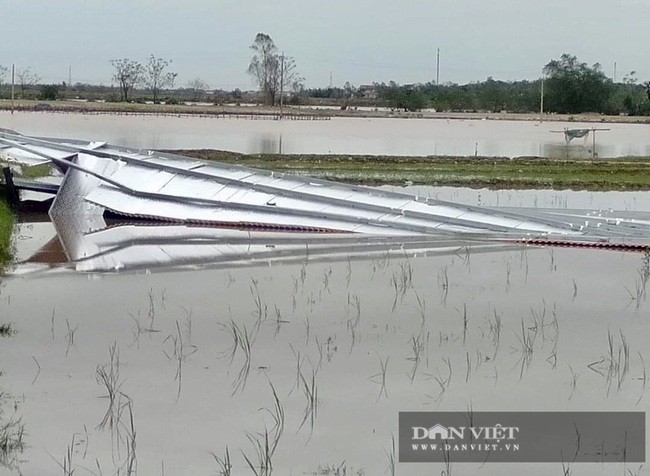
(418, 137)
(160, 370)
(196, 355)
(562, 199)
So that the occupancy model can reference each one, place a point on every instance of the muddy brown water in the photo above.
(194, 391)
(339, 135)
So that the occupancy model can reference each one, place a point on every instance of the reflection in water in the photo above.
(266, 144)
(132, 246)
(576, 151)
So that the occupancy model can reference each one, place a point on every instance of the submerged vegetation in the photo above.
(6, 330)
(12, 429)
(12, 441)
(484, 172)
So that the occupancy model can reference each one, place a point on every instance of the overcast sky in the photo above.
(360, 41)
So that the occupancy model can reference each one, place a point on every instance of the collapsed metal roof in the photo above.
(173, 189)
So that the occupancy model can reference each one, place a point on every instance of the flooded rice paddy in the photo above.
(188, 372)
(192, 371)
(420, 137)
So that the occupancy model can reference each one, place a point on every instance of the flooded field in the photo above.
(305, 363)
(419, 137)
(583, 199)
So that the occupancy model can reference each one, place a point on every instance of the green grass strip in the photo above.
(477, 172)
(7, 219)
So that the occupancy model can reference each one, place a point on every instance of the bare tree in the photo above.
(264, 65)
(155, 76)
(198, 87)
(128, 73)
(269, 69)
(3, 71)
(26, 79)
(293, 82)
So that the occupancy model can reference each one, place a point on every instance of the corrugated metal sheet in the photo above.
(167, 187)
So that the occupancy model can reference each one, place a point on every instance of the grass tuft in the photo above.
(7, 330)
(6, 230)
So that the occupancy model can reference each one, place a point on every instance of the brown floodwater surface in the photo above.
(419, 137)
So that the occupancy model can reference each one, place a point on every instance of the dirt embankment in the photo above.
(314, 112)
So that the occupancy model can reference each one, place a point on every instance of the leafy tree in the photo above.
(350, 90)
(630, 78)
(128, 73)
(492, 95)
(574, 87)
(409, 98)
(155, 77)
(26, 79)
(269, 69)
(628, 97)
(327, 93)
(49, 92)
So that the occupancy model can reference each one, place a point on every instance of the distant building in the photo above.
(367, 91)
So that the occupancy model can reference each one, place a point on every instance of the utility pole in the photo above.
(281, 82)
(330, 80)
(13, 82)
(541, 103)
(70, 77)
(614, 72)
(438, 68)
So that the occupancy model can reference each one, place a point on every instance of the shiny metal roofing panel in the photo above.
(328, 218)
(247, 197)
(26, 154)
(336, 217)
(72, 214)
(222, 172)
(352, 194)
(184, 164)
(189, 187)
(21, 157)
(139, 178)
(170, 187)
(113, 199)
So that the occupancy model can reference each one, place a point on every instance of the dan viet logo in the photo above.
(531, 437)
(488, 433)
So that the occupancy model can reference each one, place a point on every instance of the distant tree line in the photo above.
(569, 87)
